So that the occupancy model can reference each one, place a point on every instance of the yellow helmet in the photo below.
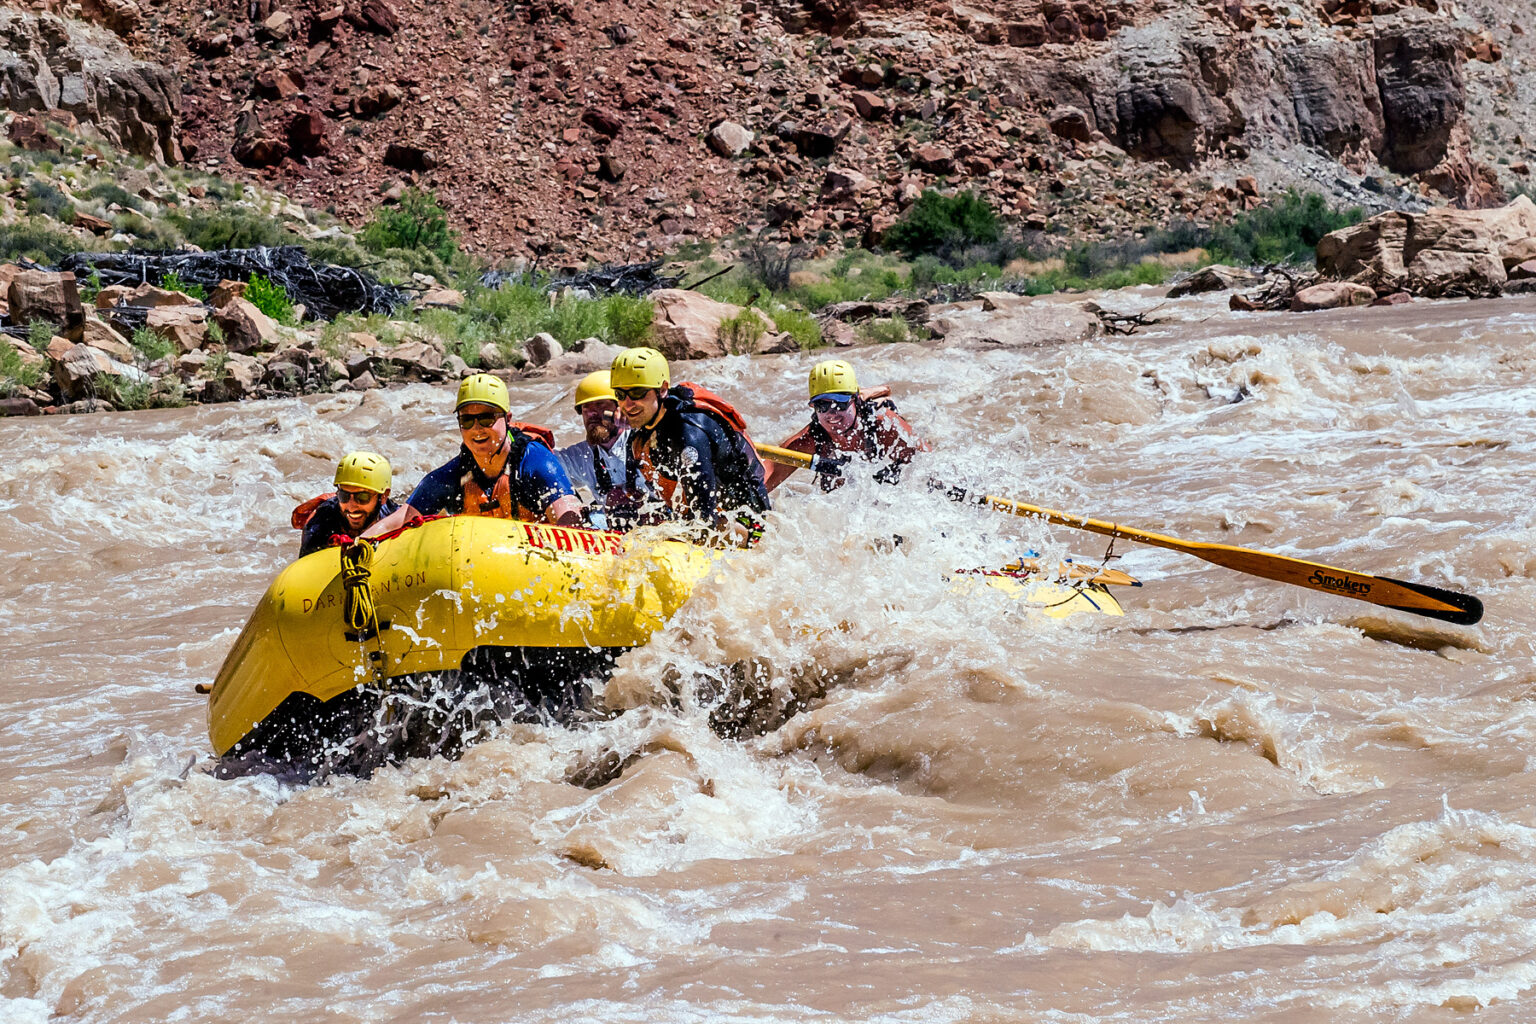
(484, 389)
(640, 368)
(833, 377)
(594, 387)
(363, 471)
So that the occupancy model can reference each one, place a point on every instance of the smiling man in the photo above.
(361, 499)
(502, 470)
(689, 447)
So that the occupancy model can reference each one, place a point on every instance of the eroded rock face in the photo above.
(47, 63)
(1335, 96)
(1418, 73)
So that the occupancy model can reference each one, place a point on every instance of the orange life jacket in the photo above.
(303, 513)
(497, 502)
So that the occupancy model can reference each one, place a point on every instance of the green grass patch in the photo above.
(109, 192)
(172, 282)
(43, 200)
(16, 374)
(741, 333)
(151, 345)
(799, 324)
(231, 228)
(40, 333)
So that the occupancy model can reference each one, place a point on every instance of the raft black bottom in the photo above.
(435, 714)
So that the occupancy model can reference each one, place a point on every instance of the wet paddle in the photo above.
(1417, 598)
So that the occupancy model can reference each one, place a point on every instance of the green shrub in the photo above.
(166, 392)
(886, 331)
(628, 320)
(800, 325)
(151, 345)
(172, 282)
(418, 222)
(16, 375)
(110, 192)
(1286, 231)
(230, 228)
(35, 241)
(40, 333)
(270, 298)
(942, 225)
(741, 333)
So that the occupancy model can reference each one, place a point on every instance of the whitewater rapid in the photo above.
(1241, 800)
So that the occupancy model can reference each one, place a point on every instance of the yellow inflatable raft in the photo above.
(537, 612)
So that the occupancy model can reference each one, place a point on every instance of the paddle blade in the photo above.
(1468, 609)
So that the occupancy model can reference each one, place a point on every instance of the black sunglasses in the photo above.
(631, 394)
(477, 419)
(827, 403)
(354, 497)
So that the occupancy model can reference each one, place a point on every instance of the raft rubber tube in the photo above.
(565, 599)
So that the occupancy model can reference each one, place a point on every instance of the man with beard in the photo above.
(596, 465)
(846, 424)
(361, 499)
(503, 469)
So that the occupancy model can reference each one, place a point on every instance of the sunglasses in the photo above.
(827, 403)
(354, 497)
(477, 419)
(631, 394)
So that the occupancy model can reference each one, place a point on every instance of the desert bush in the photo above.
(230, 228)
(15, 374)
(1285, 231)
(172, 282)
(36, 241)
(741, 333)
(43, 200)
(270, 298)
(800, 325)
(943, 225)
(885, 330)
(418, 222)
(110, 192)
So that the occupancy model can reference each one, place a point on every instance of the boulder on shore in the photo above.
(1436, 253)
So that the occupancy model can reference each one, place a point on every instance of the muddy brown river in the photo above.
(1241, 801)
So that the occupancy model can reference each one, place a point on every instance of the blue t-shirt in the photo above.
(538, 482)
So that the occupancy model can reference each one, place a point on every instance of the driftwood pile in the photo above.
(635, 279)
(324, 289)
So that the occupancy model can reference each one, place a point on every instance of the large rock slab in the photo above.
(1436, 253)
(1332, 295)
(1370, 252)
(687, 324)
(246, 328)
(45, 295)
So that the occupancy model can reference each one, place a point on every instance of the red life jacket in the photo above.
(303, 513)
(497, 502)
(705, 401)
